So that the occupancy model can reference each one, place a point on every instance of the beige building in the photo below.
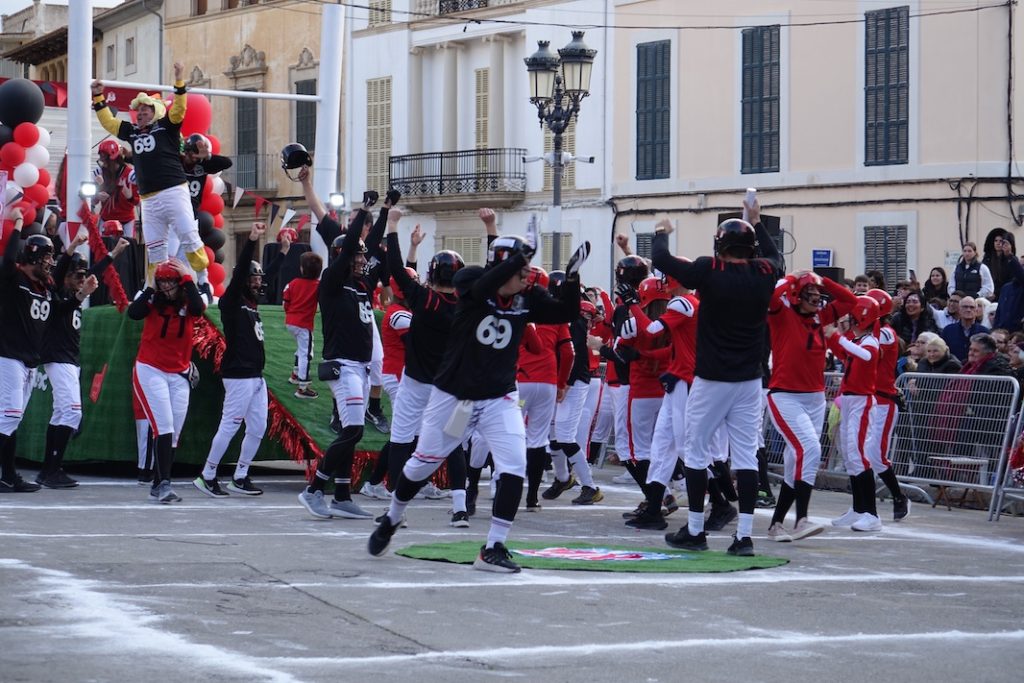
(879, 132)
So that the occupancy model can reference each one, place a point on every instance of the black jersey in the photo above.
(243, 330)
(62, 341)
(156, 150)
(483, 351)
(196, 177)
(580, 372)
(432, 316)
(346, 309)
(25, 312)
(734, 298)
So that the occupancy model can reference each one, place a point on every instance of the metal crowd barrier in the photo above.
(955, 433)
(1009, 486)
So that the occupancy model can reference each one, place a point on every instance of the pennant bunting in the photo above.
(288, 215)
(239, 191)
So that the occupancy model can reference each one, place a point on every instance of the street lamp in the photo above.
(557, 94)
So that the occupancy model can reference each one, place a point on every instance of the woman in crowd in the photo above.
(937, 285)
(1000, 252)
(972, 277)
(937, 358)
(914, 318)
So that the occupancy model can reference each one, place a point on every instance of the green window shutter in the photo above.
(761, 52)
(886, 86)
(653, 110)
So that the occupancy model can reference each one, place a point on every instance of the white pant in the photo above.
(163, 397)
(15, 391)
(390, 384)
(605, 416)
(569, 410)
(883, 423)
(245, 400)
(303, 350)
(620, 407)
(855, 425)
(643, 413)
(712, 404)
(538, 408)
(65, 379)
(376, 359)
(588, 417)
(669, 432)
(407, 410)
(498, 420)
(799, 419)
(167, 212)
(719, 446)
(350, 391)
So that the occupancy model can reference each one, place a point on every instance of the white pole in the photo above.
(328, 115)
(241, 94)
(79, 109)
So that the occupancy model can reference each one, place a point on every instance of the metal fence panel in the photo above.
(1011, 484)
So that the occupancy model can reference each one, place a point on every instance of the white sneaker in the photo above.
(805, 528)
(846, 520)
(431, 492)
(867, 522)
(778, 533)
(375, 491)
(367, 490)
(623, 478)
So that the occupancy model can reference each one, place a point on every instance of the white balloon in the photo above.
(26, 174)
(218, 184)
(11, 191)
(37, 155)
(44, 137)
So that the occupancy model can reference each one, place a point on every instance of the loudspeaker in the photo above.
(832, 273)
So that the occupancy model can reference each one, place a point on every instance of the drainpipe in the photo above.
(160, 39)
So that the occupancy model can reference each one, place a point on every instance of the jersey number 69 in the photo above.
(496, 332)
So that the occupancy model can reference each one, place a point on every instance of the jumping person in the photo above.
(199, 162)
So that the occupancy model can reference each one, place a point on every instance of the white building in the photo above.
(440, 109)
(132, 43)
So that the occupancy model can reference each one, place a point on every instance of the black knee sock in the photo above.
(639, 473)
(594, 452)
(655, 495)
(803, 499)
(888, 477)
(763, 483)
(150, 450)
(57, 444)
(535, 460)
(855, 491)
(375, 405)
(715, 496)
(696, 487)
(457, 467)
(508, 494)
(163, 458)
(338, 461)
(398, 455)
(380, 467)
(47, 466)
(406, 489)
(867, 478)
(8, 472)
(724, 476)
(570, 449)
(473, 478)
(746, 490)
(786, 497)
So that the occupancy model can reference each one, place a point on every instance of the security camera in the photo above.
(530, 160)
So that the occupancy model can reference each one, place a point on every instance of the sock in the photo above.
(559, 461)
(696, 487)
(695, 522)
(888, 478)
(380, 467)
(375, 405)
(594, 451)
(498, 533)
(164, 457)
(342, 489)
(855, 491)
(744, 525)
(457, 467)
(398, 454)
(868, 492)
(338, 459)
(724, 476)
(579, 464)
(803, 499)
(8, 473)
(786, 497)
(142, 443)
(62, 435)
(763, 482)
(458, 500)
(746, 489)
(640, 474)
(655, 496)
(405, 491)
(535, 460)
(250, 444)
(715, 496)
(47, 466)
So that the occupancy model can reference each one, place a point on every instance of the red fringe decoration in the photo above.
(99, 250)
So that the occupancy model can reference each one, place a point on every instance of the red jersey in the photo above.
(645, 372)
(167, 338)
(860, 357)
(889, 353)
(680, 319)
(120, 204)
(545, 367)
(300, 297)
(392, 331)
(798, 341)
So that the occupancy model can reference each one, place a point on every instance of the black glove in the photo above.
(393, 196)
(578, 258)
(370, 198)
(627, 293)
(528, 250)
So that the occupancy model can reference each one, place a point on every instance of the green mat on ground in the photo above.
(108, 430)
(596, 557)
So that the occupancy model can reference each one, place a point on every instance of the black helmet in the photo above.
(556, 279)
(443, 267)
(35, 249)
(192, 143)
(255, 269)
(295, 155)
(78, 264)
(631, 270)
(340, 240)
(505, 247)
(736, 234)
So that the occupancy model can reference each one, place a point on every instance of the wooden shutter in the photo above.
(471, 248)
(886, 86)
(305, 115)
(380, 12)
(482, 103)
(547, 243)
(885, 249)
(568, 145)
(378, 133)
(653, 109)
(760, 99)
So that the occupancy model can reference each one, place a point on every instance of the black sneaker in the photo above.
(588, 496)
(671, 505)
(381, 536)
(145, 477)
(652, 522)
(640, 509)
(533, 506)
(497, 559)
(765, 499)
(558, 488)
(19, 485)
(460, 520)
(471, 495)
(401, 525)
(720, 517)
(56, 480)
(210, 487)
(244, 486)
(684, 541)
(742, 547)
(379, 422)
(900, 508)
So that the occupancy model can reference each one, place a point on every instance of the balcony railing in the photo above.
(434, 7)
(455, 177)
(255, 171)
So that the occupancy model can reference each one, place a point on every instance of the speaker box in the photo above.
(832, 273)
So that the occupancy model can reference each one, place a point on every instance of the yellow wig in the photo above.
(158, 105)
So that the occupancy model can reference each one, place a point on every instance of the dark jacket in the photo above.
(1011, 298)
(999, 266)
(908, 329)
(947, 365)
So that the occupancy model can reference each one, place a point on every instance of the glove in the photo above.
(370, 198)
(577, 260)
(627, 294)
(528, 250)
(393, 196)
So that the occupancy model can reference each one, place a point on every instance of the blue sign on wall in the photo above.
(821, 258)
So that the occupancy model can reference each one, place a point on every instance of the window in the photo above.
(886, 86)
(378, 133)
(129, 52)
(305, 115)
(885, 249)
(653, 110)
(471, 249)
(760, 100)
(482, 103)
(198, 8)
(568, 145)
(111, 59)
(547, 244)
(247, 142)
(644, 244)
(380, 12)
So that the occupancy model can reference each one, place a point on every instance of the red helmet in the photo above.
(797, 285)
(865, 312)
(396, 291)
(290, 232)
(538, 277)
(112, 228)
(165, 271)
(883, 299)
(110, 149)
(587, 310)
(652, 289)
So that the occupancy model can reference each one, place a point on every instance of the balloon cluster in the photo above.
(23, 154)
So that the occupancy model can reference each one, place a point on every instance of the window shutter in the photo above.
(305, 115)
(885, 249)
(482, 104)
(380, 12)
(471, 249)
(653, 109)
(760, 99)
(568, 145)
(378, 133)
(644, 243)
(547, 243)
(886, 86)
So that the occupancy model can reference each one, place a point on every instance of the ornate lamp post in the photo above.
(557, 93)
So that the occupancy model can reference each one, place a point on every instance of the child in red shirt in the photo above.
(300, 300)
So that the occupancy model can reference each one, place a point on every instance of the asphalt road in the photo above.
(100, 585)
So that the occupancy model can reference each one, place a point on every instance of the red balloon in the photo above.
(37, 194)
(210, 256)
(218, 290)
(12, 154)
(44, 177)
(207, 187)
(26, 134)
(214, 143)
(216, 272)
(218, 221)
(28, 212)
(212, 203)
(198, 115)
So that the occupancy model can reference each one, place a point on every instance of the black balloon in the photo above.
(215, 240)
(218, 256)
(205, 224)
(33, 229)
(6, 134)
(21, 100)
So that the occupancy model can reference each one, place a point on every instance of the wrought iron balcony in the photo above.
(451, 180)
(257, 172)
(436, 7)
(452, 6)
